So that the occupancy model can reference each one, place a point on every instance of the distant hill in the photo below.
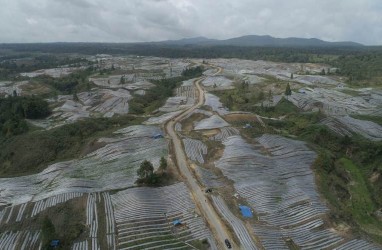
(254, 40)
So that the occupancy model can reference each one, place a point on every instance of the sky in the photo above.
(158, 20)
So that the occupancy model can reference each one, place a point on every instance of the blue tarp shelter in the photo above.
(246, 211)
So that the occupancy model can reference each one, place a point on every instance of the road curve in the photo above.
(208, 212)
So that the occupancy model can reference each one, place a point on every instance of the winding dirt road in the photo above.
(208, 212)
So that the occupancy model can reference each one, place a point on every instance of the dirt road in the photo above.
(215, 222)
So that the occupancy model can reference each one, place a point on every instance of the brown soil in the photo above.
(188, 124)
(374, 177)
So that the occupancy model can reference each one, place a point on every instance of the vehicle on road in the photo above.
(227, 243)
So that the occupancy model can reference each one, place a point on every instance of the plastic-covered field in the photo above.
(208, 178)
(336, 103)
(237, 225)
(23, 240)
(215, 104)
(177, 103)
(225, 133)
(110, 167)
(195, 150)
(218, 82)
(212, 122)
(55, 72)
(280, 186)
(346, 125)
(162, 118)
(314, 79)
(99, 102)
(144, 218)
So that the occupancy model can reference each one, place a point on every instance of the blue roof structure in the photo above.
(246, 211)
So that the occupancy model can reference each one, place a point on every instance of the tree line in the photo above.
(15, 109)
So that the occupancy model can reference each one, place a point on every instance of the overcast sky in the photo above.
(156, 20)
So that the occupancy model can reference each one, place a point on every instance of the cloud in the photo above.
(155, 20)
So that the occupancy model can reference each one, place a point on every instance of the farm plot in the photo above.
(52, 201)
(55, 72)
(20, 240)
(187, 91)
(110, 221)
(336, 103)
(8, 88)
(110, 167)
(144, 218)
(212, 122)
(176, 103)
(312, 79)
(92, 219)
(195, 150)
(357, 244)
(83, 245)
(214, 102)
(218, 82)
(225, 133)
(113, 81)
(280, 187)
(162, 118)
(367, 129)
(208, 178)
(278, 70)
(104, 102)
(141, 85)
(346, 125)
(237, 225)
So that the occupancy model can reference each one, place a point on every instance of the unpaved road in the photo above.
(214, 221)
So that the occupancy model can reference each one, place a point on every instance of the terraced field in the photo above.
(274, 176)
(110, 167)
(144, 218)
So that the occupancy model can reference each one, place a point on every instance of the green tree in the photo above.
(48, 232)
(145, 170)
(288, 91)
(270, 99)
(163, 164)
(122, 81)
(75, 97)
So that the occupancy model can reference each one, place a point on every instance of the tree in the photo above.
(288, 91)
(291, 76)
(163, 164)
(48, 232)
(122, 81)
(270, 99)
(323, 72)
(75, 97)
(145, 170)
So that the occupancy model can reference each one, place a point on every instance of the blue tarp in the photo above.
(54, 243)
(246, 211)
(176, 222)
(157, 136)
